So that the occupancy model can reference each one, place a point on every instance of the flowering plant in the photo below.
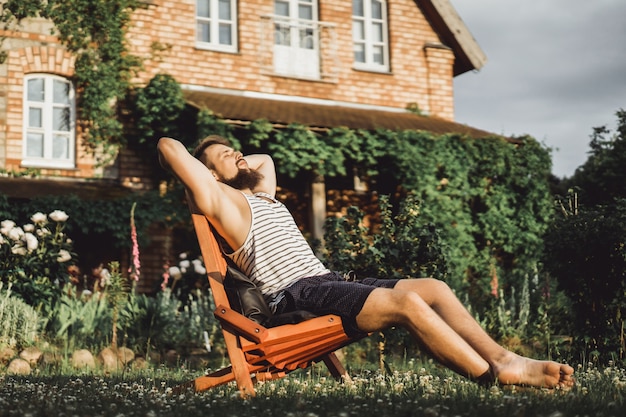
(185, 277)
(35, 257)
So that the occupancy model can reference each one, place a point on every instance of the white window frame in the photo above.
(46, 109)
(214, 23)
(368, 41)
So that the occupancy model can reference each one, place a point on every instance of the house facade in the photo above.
(321, 63)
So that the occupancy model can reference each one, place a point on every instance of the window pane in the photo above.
(282, 34)
(377, 10)
(306, 39)
(34, 145)
(305, 12)
(377, 52)
(61, 92)
(61, 119)
(203, 8)
(60, 147)
(34, 117)
(359, 52)
(358, 31)
(224, 9)
(281, 8)
(204, 32)
(357, 8)
(225, 34)
(36, 89)
(377, 32)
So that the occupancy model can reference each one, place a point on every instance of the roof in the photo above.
(239, 108)
(453, 33)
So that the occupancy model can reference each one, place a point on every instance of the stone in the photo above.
(19, 366)
(125, 355)
(109, 360)
(51, 358)
(32, 355)
(82, 358)
(6, 354)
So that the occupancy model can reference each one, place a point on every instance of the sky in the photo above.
(555, 70)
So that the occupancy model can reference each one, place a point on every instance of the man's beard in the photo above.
(245, 179)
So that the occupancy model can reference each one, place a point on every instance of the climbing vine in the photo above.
(93, 30)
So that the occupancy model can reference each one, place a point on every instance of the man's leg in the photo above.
(508, 367)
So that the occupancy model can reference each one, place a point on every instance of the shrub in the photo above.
(20, 322)
(35, 258)
(586, 252)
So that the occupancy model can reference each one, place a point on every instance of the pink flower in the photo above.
(134, 269)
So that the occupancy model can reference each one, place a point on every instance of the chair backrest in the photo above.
(214, 261)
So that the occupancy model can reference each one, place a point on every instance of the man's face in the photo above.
(231, 168)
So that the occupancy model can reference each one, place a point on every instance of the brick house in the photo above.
(321, 63)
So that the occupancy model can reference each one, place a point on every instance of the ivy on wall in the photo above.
(93, 30)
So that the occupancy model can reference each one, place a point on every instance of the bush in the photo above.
(586, 252)
(35, 258)
(20, 322)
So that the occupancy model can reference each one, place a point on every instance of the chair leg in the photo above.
(335, 367)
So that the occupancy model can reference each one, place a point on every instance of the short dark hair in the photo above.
(206, 142)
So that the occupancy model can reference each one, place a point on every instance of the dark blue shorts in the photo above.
(332, 294)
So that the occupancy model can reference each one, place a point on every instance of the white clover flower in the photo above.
(29, 228)
(6, 226)
(18, 250)
(39, 218)
(183, 255)
(175, 273)
(16, 233)
(58, 216)
(64, 256)
(31, 241)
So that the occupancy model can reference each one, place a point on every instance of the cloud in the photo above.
(555, 70)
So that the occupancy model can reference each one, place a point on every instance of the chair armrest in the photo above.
(239, 322)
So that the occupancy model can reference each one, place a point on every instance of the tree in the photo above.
(602, 178)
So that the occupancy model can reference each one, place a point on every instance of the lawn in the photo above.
(414, 390)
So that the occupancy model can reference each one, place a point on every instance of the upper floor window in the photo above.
(369, 35)
(49, 122)
(216, 25)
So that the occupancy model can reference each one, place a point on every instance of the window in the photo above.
(216, 25)
(369, 35)
(49, 120)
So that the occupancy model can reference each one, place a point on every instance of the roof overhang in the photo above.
(453, 33)
(238, 108)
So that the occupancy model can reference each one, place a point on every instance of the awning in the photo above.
(239, 108)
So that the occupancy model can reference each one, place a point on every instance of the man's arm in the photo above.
(265, 165)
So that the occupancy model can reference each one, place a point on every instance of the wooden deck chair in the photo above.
(258, 353)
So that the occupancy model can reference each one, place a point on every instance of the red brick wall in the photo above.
(412, 76)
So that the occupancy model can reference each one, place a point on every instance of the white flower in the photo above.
(39, 218)
(18, 250)
(58, 216)
(105, 277)
(198, 267)
(175, 273)
(183, 255)
(16, 233)
(7, 225)
(64, 256)
(1, 240)
(29, 227)
(31, 241)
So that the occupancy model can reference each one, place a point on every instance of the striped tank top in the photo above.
(275, 254)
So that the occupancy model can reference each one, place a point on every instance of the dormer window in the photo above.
(216, 25)
(49, 122)
(370, 35)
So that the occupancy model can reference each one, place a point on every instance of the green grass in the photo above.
(412, 391)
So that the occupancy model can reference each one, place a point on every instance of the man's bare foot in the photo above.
(518, 370)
